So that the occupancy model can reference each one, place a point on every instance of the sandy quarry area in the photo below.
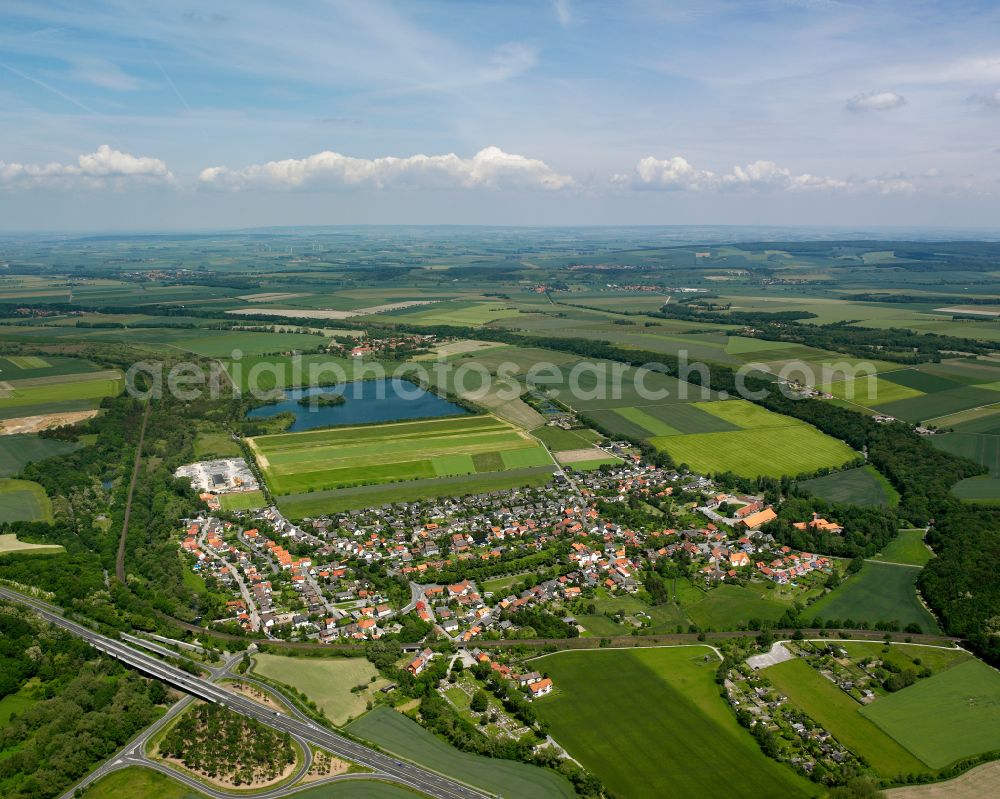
(35, 424)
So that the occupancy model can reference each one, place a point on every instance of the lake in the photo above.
(364, 401)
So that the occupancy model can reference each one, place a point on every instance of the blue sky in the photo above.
(136, 115)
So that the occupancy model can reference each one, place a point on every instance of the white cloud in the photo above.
(875, 101)
(563, 12)
(103, 73)
(990, 100)
(491, 168)
(105, 167)
(678, 174)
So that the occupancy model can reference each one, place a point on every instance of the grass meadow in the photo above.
(643, 719)
(907, 547)
(404, 738)
(23, 501)
(327, 681)
(952, 715)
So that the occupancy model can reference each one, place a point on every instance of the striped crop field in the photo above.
(388, 453)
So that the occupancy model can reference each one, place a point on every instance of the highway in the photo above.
(386, 767)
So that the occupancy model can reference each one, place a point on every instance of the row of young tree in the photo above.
(222, 745)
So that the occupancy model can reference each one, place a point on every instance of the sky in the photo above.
(134, 115)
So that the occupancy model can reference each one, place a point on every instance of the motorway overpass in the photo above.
(386, 767)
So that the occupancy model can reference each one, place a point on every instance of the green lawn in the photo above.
(23, 500)
(243, 500)
(947, 717)
(879, 592)
(651, 723)
(861, 486)
(841, 716)
(729, 606)
(405, 738)
(135, 781)
(907, 547)
(327, 681)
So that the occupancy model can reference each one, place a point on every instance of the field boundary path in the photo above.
(120, 558)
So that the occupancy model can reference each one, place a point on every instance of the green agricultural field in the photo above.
(242, 500)
(388, 453)
(978, 489)
(314, 503)
(460, 314)
(981, 447)
(594, 385)
(952, 715)
(326, 681)
(18, 450)
(760, 443)
(930, 407)
(879, 592)
(861, 486)
(264, 373)
(223, 344)
(873, 391)
(559, 440)
(23, 367)
(907, 547)
(788, 450)
(645, 421)
(841, 716)
(26, 401)
(404, 738)
(23, 501)
(661, 707)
